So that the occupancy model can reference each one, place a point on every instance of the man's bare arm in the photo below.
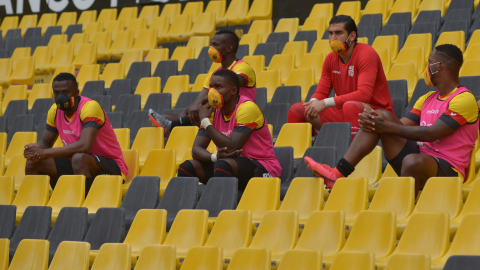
(83, 145)
(199, 149)
(48, 139)
(431, 133)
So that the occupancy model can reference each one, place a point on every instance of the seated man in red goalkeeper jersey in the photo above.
(355, 71)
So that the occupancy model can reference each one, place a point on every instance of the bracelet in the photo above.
(205, 123)
(329, 102)
(214, 157)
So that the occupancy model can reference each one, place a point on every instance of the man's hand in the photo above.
(33, 152)
(314, 107)
(205, 111)
(222, 153)
(372, 121)
(192, 112)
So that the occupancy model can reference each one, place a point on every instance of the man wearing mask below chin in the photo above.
(239, 130)
(90, 146)
(436, 138)
(355, 71)
(223, 50)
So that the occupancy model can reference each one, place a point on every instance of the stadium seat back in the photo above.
(441, 194)
(408, 261)
(97, 197)
(87, 74)
(407, 72)
(28, 21)
(7, 187)
(87, 55)
(350, 8)
(385, 57)
(297, 48)
(136, 26)
(66, 19)
(181, 139)
(204, 24)
(177, 85)
(324, 10)
(349, 195)
(305, 259)
(420, 40)
(121, 43)
(214, 204)
(413, 55)
(106, 15)
(305, 195)
(113, 71)
(370, 166)
(304, 77)
(171, 11)
(285, 63)
(127, 14)
(315, 61)
(468, 68)
(71, 255)
(456, 38)
(289, 25)
(232, 230)
(270, 79)
(146, 41)
(180, 28)
(17, 145)
(387, 42)
(251, 258)
(188, 230)
(130, 57)
(252, 40)
(162, 25)
(87, 17)
(24, 73)
(9, 22)
(395, 194)
(148, 139)
(148, 228)
(69, 192)
(149, 13)
(156, 55)
(143, 193)
(147, 86)
(297, 135)
(123, 137)
(314, 24)
(262, 27)
(162, 163)
(19, 53)
(259, 205)
(354, 260)
(181, 54)
(113, 256)
(157, 257)
(131, 159)
(203, 257)
(17, 169)
(31, 254)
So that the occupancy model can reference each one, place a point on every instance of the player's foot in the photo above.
(322, 170)
(160, 121)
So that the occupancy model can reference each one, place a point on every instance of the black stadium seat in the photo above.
(287, 94)
(219, 194)
(395, 29)
(21, 123)
(137, 71)
(242, 51)
(52, 30)
(14, 108)
(462, 263)
(166, 69)
(13, 43)
(204, 55)
(73, 29)
(185, 99)
(118, 88)
(459, 15)
(266, 49)
(158, 102)
(104, 101)
(32, 32)
(429, 16)
(39, 108)
(398, 89)
(93, 88)
(137, 120)
(399, 105)
(309, 36)
(276, 115)
(426, 27)
(472, 83)
(7, 220)
(41, 127)
(285, 158)
(115, 119)
(404, 18)
(325, 155)
(460, 4)
(261, 98)
(450, 26)
(34, 42)
(108, 226)
(13, 33)
(128, 104)
(192, 68)
(280, 38)
(375, 20)
(337, 135)
(368, 32)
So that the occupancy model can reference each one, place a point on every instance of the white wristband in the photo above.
(329, 102)
(214, 157)
(205, 123)
(312, 99)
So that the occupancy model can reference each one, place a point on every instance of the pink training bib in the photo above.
(249, 92)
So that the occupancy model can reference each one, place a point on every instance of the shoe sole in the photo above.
(327, 181)
(154, 121)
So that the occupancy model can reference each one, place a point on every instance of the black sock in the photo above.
(88, 184)
(184, 121)
(344, 167)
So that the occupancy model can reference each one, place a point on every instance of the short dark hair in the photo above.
(451, 52)
(233, 37)
(229, 76)
(65, 77)
(348, 23)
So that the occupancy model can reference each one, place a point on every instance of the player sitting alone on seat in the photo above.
(90, 146)
(436, 138)
(239, 130)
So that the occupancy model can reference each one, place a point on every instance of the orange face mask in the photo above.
(429, 74)
(339, 47)
(215, 99)
(215, 55)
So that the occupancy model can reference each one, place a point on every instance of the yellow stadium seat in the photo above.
(297, 48)
(475, 38)
(127, 14)
(171, 11)
(42, 55)
(387, 42)
(71, 255)
(301, 259)
(323, 10)
(93, 29)
(402, 6)
(69, 192)
(218, 8)
(405, 72)
(288, 25)
(103, 41)
(180, 28)
(131, 159)
(34, 191)
(24, 73)
(236, 13)
(257, 62)
(156, 55)
(129, 57)
(304, 77)
(395, 194)
(204, 25)
(363, 40)
(122, 43)
(252, 40)
(305, 195)
(470, 68)
(456, 38)
(377, 7)
(315, 23)
(198, 42)
(251, 259)
(408, 261)
(177, 85)
(28, 21)
(47, 20)
(17, 169)
(123, 137)
(203, 258)
(161, 163)
(147, 86)
(5, 71)
(19, 53)
(350, 8)
(87, 55)
(97, 197)
(426, 233)
(260, 10)
(62, 57)
(31, 254)
(269, 188)
(262, 27)
(180, 140)
(284, 63)
(77, 40)
(136, 26)
(420, 40)
(162, 25)
(198, 85)
(14, 92)
(148, 228)
(157, 257)
(112, 71)
(385, 57)
(146, 41)
(149, 13)
(87, 73)
(106, 15)
(354, 261)
(278, 232)
(315, 61)
(271, 80)
(189, 229)
(9, 22)
(471, 206)
(413, 55)
(370, 167)
(349, 195)
(56, 41)
(147, 139)
(3, 145)
(87, 17)
(7, 187)
(113, 256)
(232, 230)
(193, 8)
(4, 252)
(432, 5)
(472, 52)
(296, 135)
(182, 54)
(66, 19)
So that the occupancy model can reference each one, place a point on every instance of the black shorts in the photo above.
(107, 166)
(445, 169)
(247, 169)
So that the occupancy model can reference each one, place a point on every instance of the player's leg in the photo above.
(45, 166)
(195, 168)
(351, 111)
(231, 167)
(421, 167)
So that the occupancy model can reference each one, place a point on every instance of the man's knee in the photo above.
(186, 169)
(80, 161)
(222, 169)
(411, 165)
(296, 113)
(31, 168)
